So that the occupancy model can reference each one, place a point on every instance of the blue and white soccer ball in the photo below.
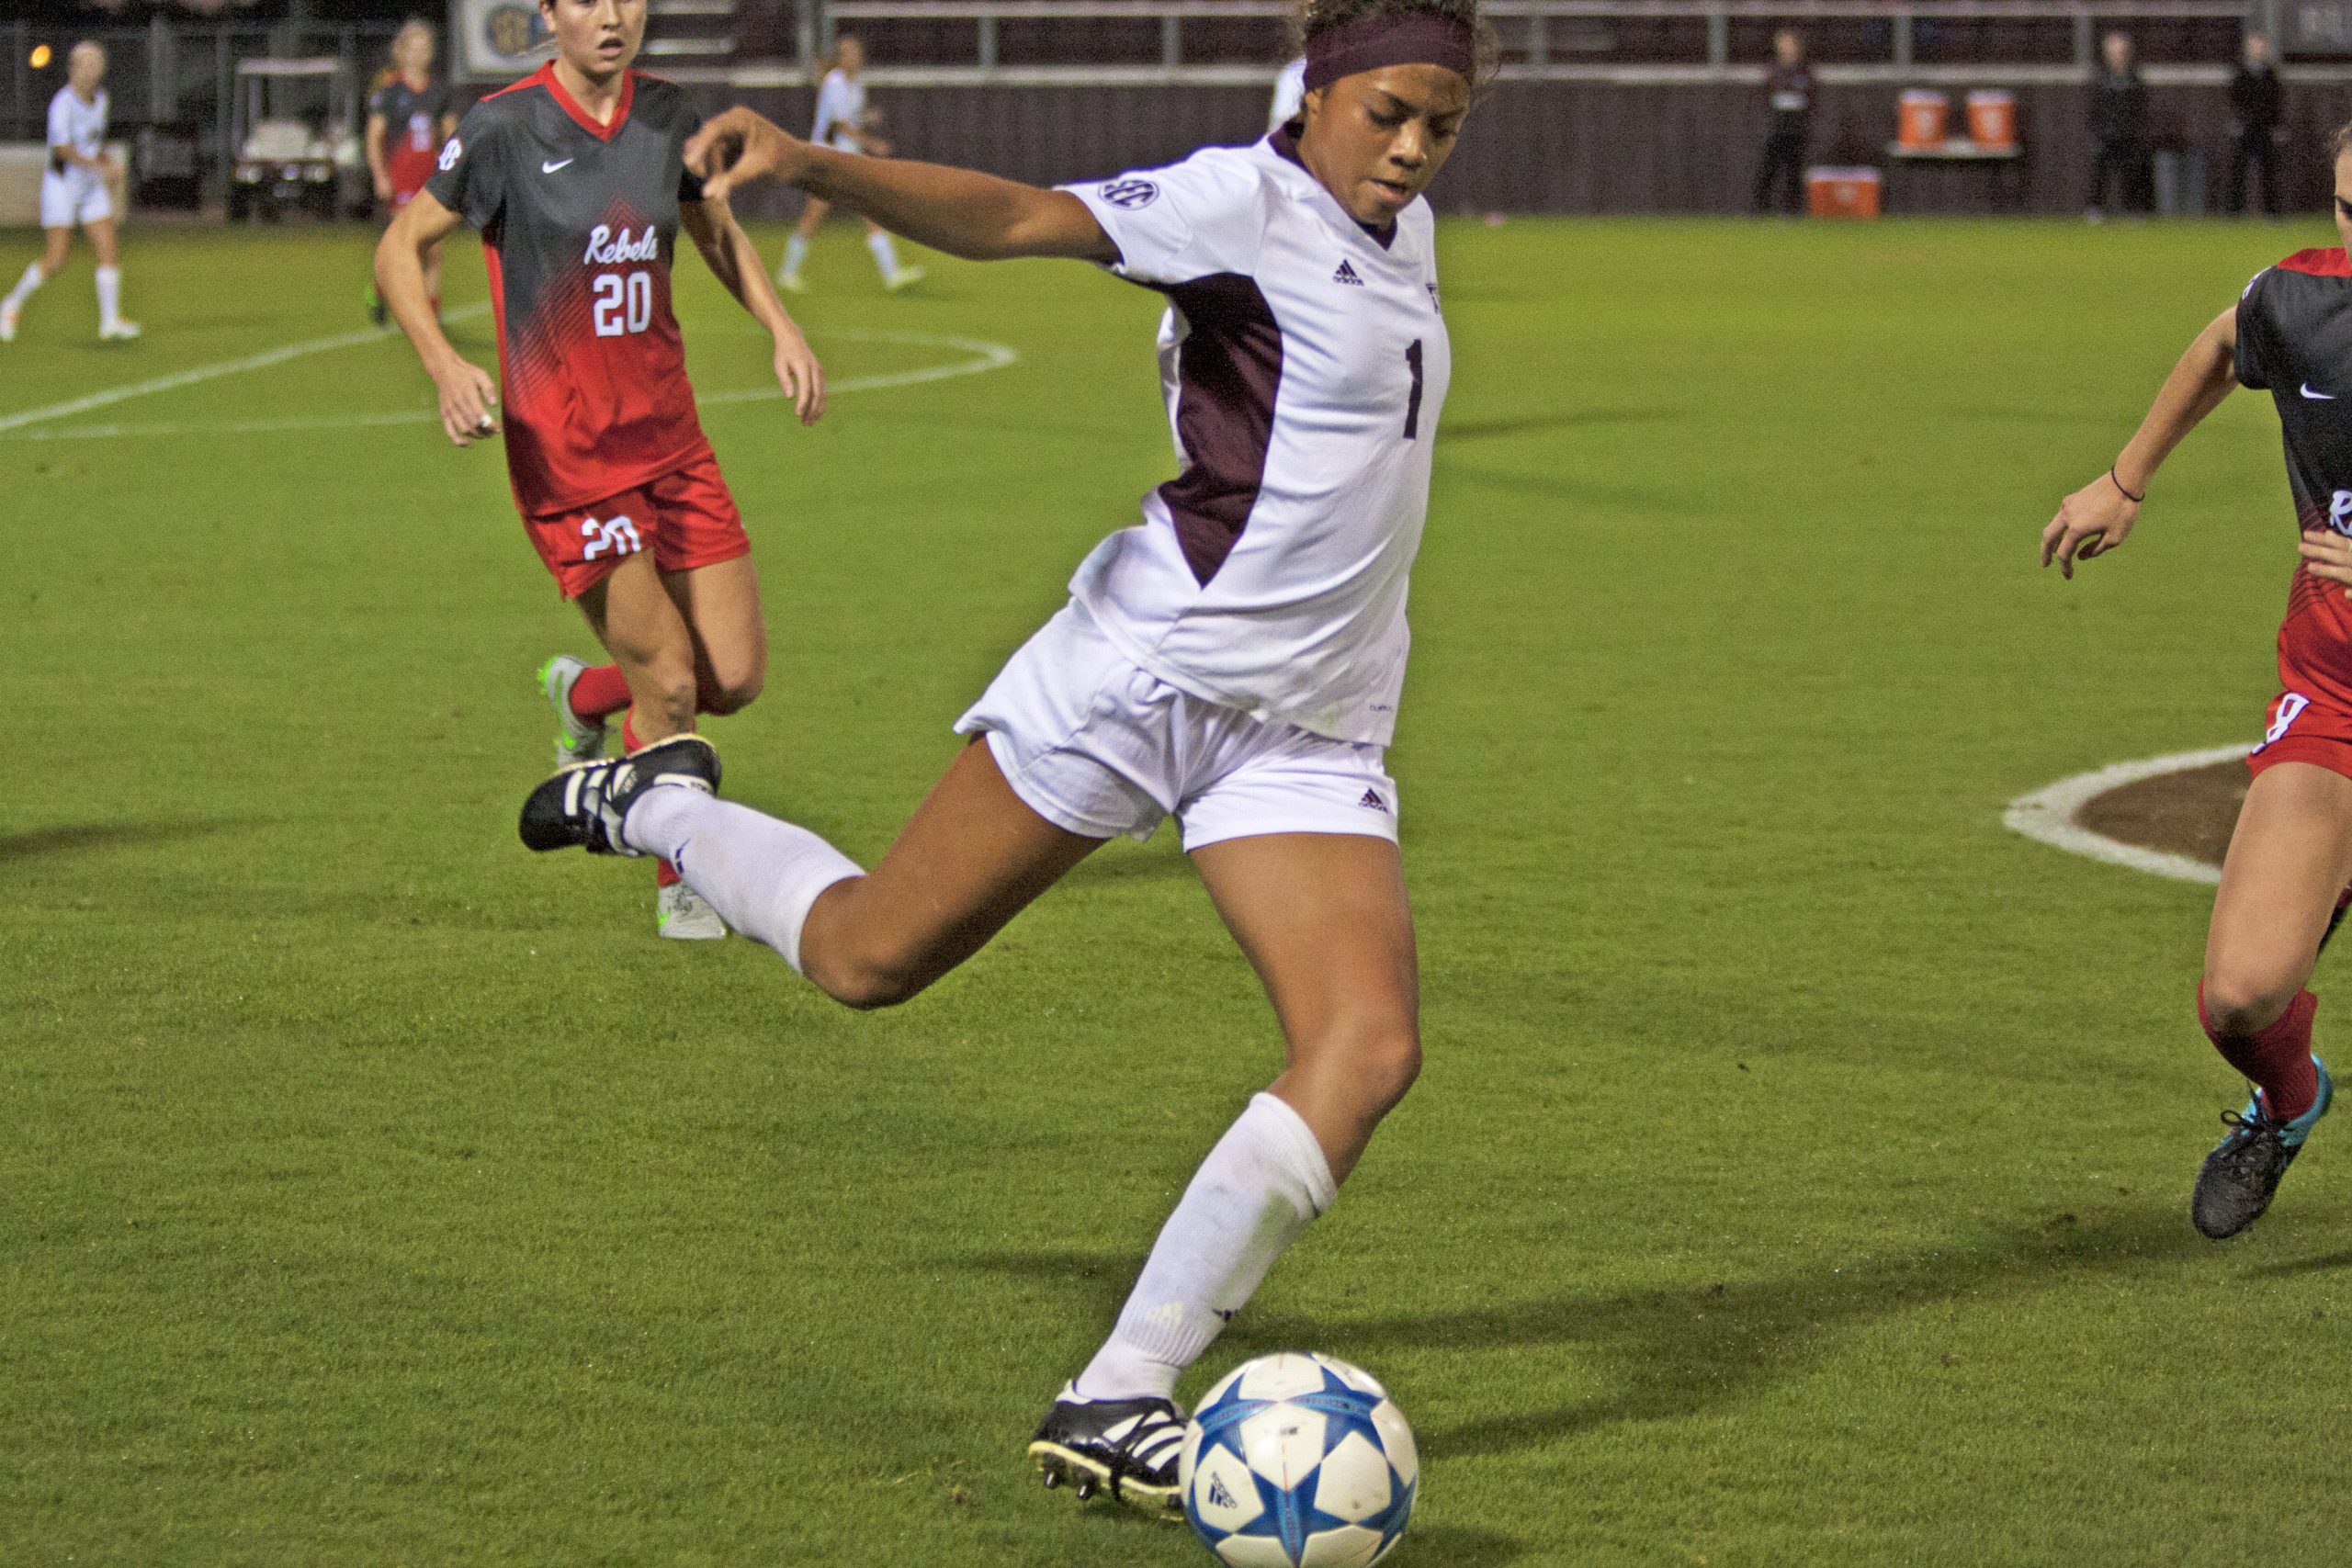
(1298, 1461)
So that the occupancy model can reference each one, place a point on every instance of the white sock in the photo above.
(796, 250)
(762, 875)
(34, 278)
(109, 298)
(1251, 1199)
(885, 255)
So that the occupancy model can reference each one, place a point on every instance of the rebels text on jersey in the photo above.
(578, 224)
(2294, 339)
(1304, 362)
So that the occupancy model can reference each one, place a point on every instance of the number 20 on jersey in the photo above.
(623, 302)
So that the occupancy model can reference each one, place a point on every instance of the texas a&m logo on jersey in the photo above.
(1128, 195)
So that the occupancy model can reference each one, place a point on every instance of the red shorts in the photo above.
(2300, 729)
(686, 518)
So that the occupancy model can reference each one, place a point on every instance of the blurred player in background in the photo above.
(2287, 879)
(2255, 101)
(408, 123)
(2118, 127)
(1290, 91)
(74, 190)
(574, 175)
(845, 124)
(1789, 90)
(1235, 660)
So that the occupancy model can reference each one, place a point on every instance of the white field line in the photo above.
(2048, 813)
(984, 356)
(213, 372)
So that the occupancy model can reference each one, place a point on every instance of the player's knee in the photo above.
(1383, 1059)
(727, 693)
(2239, 1003)
(868, 976)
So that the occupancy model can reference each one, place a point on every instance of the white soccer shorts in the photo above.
(77, 196)
(1097, 745)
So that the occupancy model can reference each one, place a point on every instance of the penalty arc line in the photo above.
(986, 356)
(2046, 816)
(201, 373)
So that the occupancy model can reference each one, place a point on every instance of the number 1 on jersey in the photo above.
(1413, 401)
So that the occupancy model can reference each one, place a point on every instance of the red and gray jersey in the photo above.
(579, 223)
(2294, 329)
(1305, 362)
(412, 119)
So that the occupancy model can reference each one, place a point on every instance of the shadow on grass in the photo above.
(1665, 1353)
(2322, 1265)
(1587, 419)
(44, 842)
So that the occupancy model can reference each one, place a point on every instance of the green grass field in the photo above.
(1800, 1171)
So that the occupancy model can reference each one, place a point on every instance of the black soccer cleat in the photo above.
(2242, 1174)
(1127, 1446)
(584, 805)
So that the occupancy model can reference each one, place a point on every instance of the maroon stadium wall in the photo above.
(1572, 147)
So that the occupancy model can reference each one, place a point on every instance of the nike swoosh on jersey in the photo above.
(2317, 397)
(551, 168)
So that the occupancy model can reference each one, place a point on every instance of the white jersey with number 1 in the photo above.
(1304, 362)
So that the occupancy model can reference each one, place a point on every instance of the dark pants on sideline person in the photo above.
(1784, 162)
(2121, 166)
(2261, 151)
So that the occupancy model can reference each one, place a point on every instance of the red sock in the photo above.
(599, 693)
(2278, 1060)
(628, 743)
(663, 876)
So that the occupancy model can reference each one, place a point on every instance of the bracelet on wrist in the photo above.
(2135, 500)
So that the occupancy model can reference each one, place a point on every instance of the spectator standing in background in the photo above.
(2254, 124)
(1789, 89)
(2119, 126)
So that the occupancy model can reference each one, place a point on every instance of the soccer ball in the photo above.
(1298, 1461)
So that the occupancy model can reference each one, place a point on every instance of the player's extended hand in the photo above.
(2327, 554)
(798, 372)
(737, 147)
(2091, 522)
(468, 398)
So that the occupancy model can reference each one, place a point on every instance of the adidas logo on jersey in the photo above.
(1347, 275)
(605, 248)
(1371, 802)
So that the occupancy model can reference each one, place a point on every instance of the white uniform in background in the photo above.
(840, 105)
(1290, 91)
(1235, 658)
(73, 194)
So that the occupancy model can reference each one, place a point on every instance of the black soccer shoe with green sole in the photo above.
(584, 805)
(1127, 1446)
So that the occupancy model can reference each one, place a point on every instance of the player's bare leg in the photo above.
(1324, 919)
(641, 625)
(720, 605)
(111, 324)
(2288, 860)
(55, 244)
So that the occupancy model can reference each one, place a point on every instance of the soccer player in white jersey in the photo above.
(844, 124)
(1233, 661)
(74, 190)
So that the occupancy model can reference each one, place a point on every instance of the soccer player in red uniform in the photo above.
(408, 122)
(575, 178)
(2284, 880)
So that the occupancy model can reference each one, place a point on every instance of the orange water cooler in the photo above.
(1922, 120)
(1993, 120)
(1841, 193)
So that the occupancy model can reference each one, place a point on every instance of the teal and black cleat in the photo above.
(583, 806)
(2243, 1172)
(576, 740)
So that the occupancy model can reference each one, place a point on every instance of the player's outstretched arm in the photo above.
(736, 263)
(961, 211)
(2099, 517)
(467, 393)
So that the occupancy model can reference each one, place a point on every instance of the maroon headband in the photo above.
(1411, 38)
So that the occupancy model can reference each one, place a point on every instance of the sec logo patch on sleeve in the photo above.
(1130, 194)
(451, 153)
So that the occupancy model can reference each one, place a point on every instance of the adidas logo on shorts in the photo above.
(1371, 802)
